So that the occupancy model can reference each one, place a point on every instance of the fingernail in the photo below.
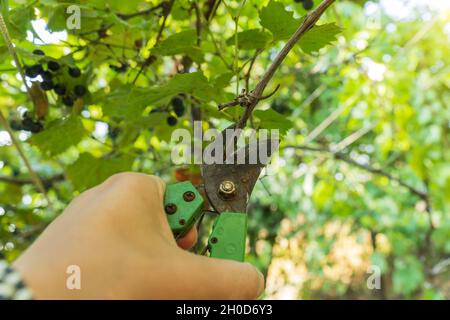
(261, 284)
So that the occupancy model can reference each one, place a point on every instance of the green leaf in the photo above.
(129, 102)
(4, 7)
(194, 83)
(180, 10)
(10, 193)
(89, 171)
(271, 119)
(223, 80)
(150, 121)
(408, 275)
(282, 25)
(20, 21)
(251, 39)
(184, 42)
(318, 37)
(278, 21)
(4, 52)
(187, 83)
(57, 19)
(60, 135)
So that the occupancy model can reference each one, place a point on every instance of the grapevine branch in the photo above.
(12, 51)
(167, 8)
(24, 181)
(35, 178)
(252, 98)
(128, 16)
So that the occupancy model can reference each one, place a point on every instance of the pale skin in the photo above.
(118, 234)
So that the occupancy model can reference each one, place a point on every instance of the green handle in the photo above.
(183, 205)
(227, 240)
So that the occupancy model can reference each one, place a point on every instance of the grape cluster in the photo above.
(53, 74)
(307, 4)
(113, 132)
(27, 124)
(178, 108)
(175, 110)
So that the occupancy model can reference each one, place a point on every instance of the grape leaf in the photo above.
(3, 52)
(318, 37)
(271, 119)
(251, 39)
(10, 193)
(282, 25)
(278, 21)
(57, 19)
(222, 80)
(60, 135)
(184, 42)
(20, 21)
(150, 121)
(129, 102)
(88, 171)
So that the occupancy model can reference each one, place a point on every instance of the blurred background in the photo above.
(356, 205)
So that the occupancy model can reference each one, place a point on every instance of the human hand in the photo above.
(118, 234)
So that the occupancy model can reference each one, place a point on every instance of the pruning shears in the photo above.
(227, 188)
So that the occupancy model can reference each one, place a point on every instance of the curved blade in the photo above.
(243, 176)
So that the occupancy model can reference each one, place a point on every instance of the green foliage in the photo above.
(278, 20)
(183, 42)
(88, 171)
(408, 275)
(273, 120)
(319, 36)
(59, 135)
(363, 176)
(251, 39)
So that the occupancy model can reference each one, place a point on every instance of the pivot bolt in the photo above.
(227, 189)
(188, 196)
(170, 208)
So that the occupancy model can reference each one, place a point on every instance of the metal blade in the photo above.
(229, 186)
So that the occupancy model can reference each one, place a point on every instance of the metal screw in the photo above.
(189, 196)
(227, 189)
(170, 208)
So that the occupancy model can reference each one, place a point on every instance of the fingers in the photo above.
(133, 201)
(224, 279)
(137, 184)
(188, 240)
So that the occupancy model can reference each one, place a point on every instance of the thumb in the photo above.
(225, 279)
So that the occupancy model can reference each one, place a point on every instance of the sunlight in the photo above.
(375, 71)
(45, 37)
(5, 139)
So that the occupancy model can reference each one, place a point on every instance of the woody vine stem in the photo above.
(249, 100)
